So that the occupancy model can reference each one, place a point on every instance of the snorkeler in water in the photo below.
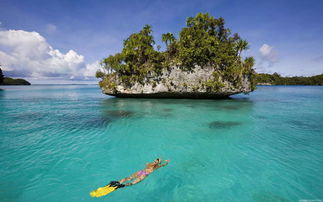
(136, 177)
(142, 174)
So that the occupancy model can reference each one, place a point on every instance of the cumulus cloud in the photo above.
(28, 54)
(268, 53)
(91, 69)
(268, 57)
(51, 28)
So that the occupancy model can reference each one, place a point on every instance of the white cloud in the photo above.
(91, 69)
(268, 53)
(51, 28)
(28, 54)
(268, 57)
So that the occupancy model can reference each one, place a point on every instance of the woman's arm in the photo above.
(165, 164)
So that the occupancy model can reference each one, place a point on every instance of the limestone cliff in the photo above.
(174, 82)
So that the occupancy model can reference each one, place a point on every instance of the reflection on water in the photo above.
(169, 105)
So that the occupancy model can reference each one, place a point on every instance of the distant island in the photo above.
(10, 81)
(276, 79)
(203, 62)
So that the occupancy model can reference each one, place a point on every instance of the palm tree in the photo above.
(147, 30)
(249, 62)
(168, 38)
(242, 45)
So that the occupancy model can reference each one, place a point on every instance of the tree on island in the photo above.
(168, 39)
(203, 42)
(1, 76)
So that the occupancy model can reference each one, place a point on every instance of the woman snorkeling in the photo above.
(136, 177)
(142, 174)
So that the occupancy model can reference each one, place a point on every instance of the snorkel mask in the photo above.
(157, 161)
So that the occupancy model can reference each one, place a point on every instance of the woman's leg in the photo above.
(138, 179)
(128, 178)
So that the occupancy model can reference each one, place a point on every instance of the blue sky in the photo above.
(284, 36)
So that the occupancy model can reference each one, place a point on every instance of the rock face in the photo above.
(177, 83)
(264, 84)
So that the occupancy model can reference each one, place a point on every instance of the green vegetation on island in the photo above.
(276, 79)
(204, 42)
(10, 81)
(1, 76)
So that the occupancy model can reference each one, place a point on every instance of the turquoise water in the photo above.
(58, 143)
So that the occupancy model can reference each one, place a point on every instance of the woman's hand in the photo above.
(167, 161)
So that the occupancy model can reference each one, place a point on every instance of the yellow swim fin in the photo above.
(102, 191)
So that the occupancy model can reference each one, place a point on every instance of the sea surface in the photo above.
(60, 142)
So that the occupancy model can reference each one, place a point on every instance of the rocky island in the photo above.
(10, 81)
(204, 62)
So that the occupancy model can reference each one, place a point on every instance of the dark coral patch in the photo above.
(223, 124)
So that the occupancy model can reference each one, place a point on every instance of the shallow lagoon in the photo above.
(59, 142)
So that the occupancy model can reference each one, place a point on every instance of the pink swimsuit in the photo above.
(142, 173)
